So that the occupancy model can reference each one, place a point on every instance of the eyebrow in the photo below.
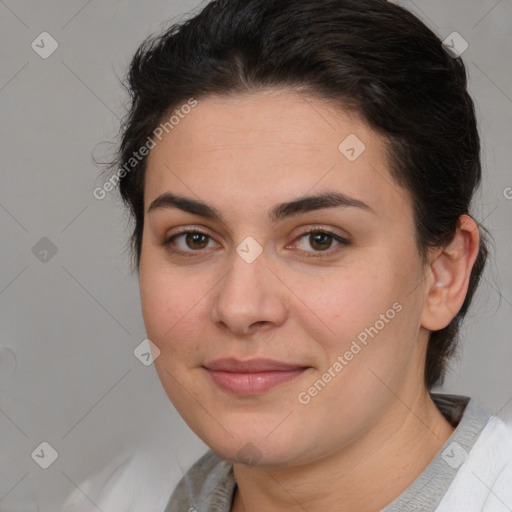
(279, 212)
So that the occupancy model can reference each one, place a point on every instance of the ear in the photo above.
(449, 273)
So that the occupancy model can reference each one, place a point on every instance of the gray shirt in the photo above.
(209, 485)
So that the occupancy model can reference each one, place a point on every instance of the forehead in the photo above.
(257, 149)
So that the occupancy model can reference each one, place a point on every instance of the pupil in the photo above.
(322, 237)
(194, 239)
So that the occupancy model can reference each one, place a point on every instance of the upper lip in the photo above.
(250, 366)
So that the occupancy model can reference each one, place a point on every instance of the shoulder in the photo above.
(141, 478)
(208, 485)
(484, 480)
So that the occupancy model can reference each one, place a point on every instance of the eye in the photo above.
(193, 242)
(320, 240)
(188, 241)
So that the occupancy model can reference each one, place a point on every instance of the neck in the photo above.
(365, 476)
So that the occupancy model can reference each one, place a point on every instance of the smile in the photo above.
(252, 383)
(251, 377)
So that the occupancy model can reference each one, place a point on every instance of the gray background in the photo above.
(69, 325)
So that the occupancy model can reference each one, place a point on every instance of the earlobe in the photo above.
(450, 271)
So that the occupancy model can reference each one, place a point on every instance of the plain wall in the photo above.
(71, 324)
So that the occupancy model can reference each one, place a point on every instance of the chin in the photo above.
(252, 450)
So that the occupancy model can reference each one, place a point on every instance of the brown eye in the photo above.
(196, 240)
(320, 241)
(188, 242)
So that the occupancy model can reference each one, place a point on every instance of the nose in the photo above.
(249, 298)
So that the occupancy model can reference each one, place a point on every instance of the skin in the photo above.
(365, 437)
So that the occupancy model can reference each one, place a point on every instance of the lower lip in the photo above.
(252, 383)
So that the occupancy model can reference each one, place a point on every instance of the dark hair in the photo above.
(369, 56)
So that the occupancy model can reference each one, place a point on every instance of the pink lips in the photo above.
(251, 377)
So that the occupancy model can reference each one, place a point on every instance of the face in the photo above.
(333, 288)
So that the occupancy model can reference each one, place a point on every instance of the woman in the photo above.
(300, 175)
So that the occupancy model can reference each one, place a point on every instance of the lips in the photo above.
(251, 377)
(251, 366)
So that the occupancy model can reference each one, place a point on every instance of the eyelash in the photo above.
(168, 242)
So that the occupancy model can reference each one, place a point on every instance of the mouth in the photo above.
(251, 377)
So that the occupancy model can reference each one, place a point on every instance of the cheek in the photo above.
(169, 304)
(344, 303)
(362, 311)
